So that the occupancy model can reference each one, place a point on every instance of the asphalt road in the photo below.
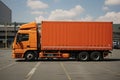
(11, 69)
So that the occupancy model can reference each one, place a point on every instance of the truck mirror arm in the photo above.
(19, 39)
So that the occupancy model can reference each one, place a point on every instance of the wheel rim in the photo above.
(83, 56)
(95, 56)
(29, 56)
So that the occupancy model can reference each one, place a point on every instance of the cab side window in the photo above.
(24, 37)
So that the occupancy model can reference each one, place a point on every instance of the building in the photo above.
(116, 32)
(5, 13)
(7, 33)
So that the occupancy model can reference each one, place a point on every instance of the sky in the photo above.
(64, 10)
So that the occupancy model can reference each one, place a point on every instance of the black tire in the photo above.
(29, 56)
(95, 56)
(83, 56)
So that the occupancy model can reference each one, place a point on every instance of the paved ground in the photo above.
(11, 69)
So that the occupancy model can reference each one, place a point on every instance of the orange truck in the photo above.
(63, 39)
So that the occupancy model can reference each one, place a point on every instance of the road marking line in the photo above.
(7, 66)
(29, 75)
(68, 76)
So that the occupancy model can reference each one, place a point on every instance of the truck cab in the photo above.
(24, 45)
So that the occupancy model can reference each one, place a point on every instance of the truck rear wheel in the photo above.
(95, 56)
(29, 56)
(83, 56)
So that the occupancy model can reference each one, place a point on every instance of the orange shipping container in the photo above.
(76, 35)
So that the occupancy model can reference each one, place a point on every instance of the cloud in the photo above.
(60, 14)
(74, 14)
(110, 16)
(105, 8)
(37, 12)
(36, 4)
(112, 2)
(39, 19)
(87, 18)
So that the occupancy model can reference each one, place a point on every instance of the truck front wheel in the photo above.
(29, 56)
(83, 56)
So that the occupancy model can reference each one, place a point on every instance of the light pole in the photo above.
(15, 24)
(5, 35)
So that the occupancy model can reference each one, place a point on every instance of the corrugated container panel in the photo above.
(76, 35)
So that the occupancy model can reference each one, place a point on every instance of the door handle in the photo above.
(28, 46)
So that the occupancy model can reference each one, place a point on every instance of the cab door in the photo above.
(22, 43)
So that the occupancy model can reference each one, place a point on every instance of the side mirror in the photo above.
(19, 38)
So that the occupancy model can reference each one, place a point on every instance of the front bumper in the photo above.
(16, 55)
